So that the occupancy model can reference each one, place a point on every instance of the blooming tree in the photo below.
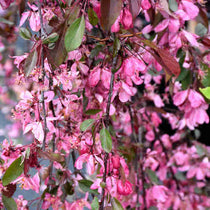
(96, 88)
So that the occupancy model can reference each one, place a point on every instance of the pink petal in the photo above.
(116, 26)
(94, 76)
(190, 37)
(145, 4)
(195, 98)
(35, 21)
(191, 173)
(126, 19)
(190, 8)
(161, 26)
(91, 165)
(123, 96)
(147, 29)
(105, 78)
(83, 68)
(23, 18)
(174, 25)
(180, 97)
(80, 160)
(5, 3)
(38, 131)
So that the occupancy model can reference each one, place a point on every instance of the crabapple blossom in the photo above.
(107, 105)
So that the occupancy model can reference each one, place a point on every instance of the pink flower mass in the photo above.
(107, 101)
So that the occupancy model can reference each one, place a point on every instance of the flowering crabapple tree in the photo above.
(110, 94)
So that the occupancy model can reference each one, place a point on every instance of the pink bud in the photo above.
(124, 189)
(116, 161)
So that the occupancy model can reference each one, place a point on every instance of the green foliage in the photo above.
(85, 125)
(92, 111)
(92, 16)
(9, 203)
(106, 140)
(205, 92)
(180, 176)
(200, 150)
(152, 176)
(200, 29)
(25, 33)
(116, 205)
(51, 38)
(74, 34)
(85, 185)
(13, 172)
(173, 6)
(95, 204)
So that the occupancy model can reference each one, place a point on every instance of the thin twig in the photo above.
(107, 122)
(43, 77)
(62, 12)
(41, 19)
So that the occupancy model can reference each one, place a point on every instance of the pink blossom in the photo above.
(190, 8)
(145, 4)
(126, 18)
(5, 3)
(124, 188)
(157, 193)
(94, 76)
(37, 130)
(89, 159)
(33, 183)
(162, 25)
(191, 38)
(180, 97)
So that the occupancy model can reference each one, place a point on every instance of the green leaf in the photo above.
(25, 33)
(95, 51)
(206, 79)
(106, 140)
(116, 205)
(9, 203)
(92, 111)
(74, 34)
(95, 204)
(198, 190)
(173, 6)
(85, 185)
(180, 176)
(3, 20)
(187, 80)
(52, 38)
(13, 172)
(200, 150)
(205, 92)
(153, 208)
(116, 47)
(30, 62)
(152, 176)
(200, 29)
(69, 189)
(86, 124)
(1, 161)
(92, 16)
(183, 74)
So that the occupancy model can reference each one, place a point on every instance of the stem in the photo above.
(107, 122)
(41, 19)
(43, 77)
(170, 168)
(62, 12)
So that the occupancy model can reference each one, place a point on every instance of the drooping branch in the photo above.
(107, 123)
(43, 77)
